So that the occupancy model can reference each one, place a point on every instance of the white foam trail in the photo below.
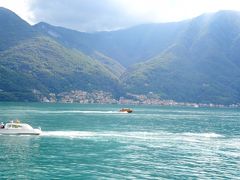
(131, 135)
(109, 134)
(73, 111)
(67, 134)
(204, 135)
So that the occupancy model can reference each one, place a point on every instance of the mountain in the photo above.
(195, 60)
(32, 62)
(202, 65)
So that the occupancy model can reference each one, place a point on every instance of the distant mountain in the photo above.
(84, 42)
(139, 43)
(127, 46)
(196, 60)
(202, 65)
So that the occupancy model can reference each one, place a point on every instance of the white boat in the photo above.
(17, 128)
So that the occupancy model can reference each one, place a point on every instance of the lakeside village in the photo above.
(101, 97)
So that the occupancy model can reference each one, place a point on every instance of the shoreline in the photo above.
(102, 97)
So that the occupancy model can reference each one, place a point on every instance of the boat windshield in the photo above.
(13, 126)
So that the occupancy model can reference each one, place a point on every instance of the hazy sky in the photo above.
(93, 15)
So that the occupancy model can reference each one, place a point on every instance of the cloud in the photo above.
(20, 7)
(95, 15)
(84, 15)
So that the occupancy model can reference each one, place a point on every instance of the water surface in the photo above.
(98, 142)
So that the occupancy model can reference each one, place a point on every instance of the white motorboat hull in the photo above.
(17, 128)
(20, 132)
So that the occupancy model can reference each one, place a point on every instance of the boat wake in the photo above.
(67, 134)
(203, 135)
(73, 112)
(128, 135)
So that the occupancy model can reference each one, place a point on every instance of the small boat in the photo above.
(18, 128)
(126, 110)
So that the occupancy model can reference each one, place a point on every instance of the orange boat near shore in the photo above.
(126, 110)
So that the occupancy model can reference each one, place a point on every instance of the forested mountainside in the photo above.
(32, 62)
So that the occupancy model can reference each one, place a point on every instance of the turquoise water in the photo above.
(98, 142)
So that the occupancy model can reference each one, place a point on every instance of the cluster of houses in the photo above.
(101, 97)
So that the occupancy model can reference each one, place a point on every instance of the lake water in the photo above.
(98, 142)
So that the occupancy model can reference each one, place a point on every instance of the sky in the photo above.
(99, 15)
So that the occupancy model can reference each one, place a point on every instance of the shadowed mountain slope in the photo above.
(201, 66)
